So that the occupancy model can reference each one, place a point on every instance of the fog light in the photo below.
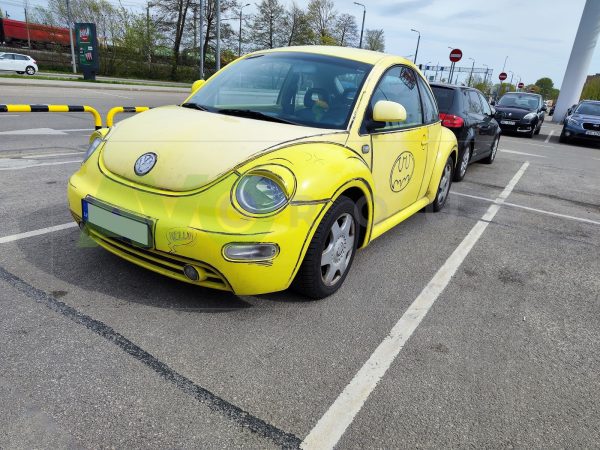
(567, 133)
(250, 252)
(191, 272)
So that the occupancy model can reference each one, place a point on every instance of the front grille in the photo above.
(164, 261)
(591, 126)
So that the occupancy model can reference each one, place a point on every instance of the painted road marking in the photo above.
(38, 165)
(52, 155)
(331, 427)
(10, 115)
(34, 131)
(522, 141)
(528, 208)
(549, 136)
(114, 95)
(78, 129)
(521, 153)
(28, 234)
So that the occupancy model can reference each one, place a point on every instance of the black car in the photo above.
(521, 112)
(468, 114)
(582, 122)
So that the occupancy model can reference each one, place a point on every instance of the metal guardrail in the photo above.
(53, 109)
(110, 116)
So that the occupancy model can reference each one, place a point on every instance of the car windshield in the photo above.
(589, 109)
(298, 88)
(444, 97)
(522, 101)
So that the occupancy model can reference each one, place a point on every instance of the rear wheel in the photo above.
(444, 186)
(30, 70)
(331, 251)
(563, 138)
(490, 159)
(463, 163)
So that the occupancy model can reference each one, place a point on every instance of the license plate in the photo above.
(593, 133)
(117, 223)
(508, 122)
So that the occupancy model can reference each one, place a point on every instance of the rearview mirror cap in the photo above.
(386, 111)
(197, 85)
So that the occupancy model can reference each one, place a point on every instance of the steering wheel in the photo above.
(322, 99)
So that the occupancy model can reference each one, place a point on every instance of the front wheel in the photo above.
(444, 186)
(490, 159)
(562, 138)
(331, 251)
(30, 70)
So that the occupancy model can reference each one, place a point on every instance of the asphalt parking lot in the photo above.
(475, 327)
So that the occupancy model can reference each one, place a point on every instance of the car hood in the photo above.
(585, 118)
(511, 113)
(193, 148)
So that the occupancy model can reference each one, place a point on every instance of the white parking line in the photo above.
(549, 136)
(41, 164)
(114, 95)
(41, 155)
(528, 208)
(523, 141)
(28, 234)
(79, 129)
(330, 428)
(521, 153)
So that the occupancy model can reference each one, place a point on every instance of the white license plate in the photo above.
(508, 122)
(593, 133)
(116, 223)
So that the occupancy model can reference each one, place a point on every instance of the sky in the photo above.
(536, 35)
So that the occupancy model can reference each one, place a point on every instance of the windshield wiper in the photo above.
(194, 106)
(250, 114)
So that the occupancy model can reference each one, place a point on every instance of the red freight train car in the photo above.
(14, 32)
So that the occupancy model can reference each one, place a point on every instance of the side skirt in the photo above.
(391, 222)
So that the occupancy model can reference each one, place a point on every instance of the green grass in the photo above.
(41, 77)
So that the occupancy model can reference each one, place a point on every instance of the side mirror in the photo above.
(569, 111)
(386, 111)
(197, 85)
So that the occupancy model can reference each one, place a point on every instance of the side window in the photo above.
(474, 102)
(430, 109)
(8, 56)
(399, 84)
(486, 106)
(21, 58)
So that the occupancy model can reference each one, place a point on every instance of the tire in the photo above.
(538, 129)
(316, 278)
(493, 152)
(562, 138)
(463, 163)
(444, 186)
(531, 133)
(30, 70)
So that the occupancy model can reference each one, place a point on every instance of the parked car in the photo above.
(582, 122)
(15, 62)
(252, 188)
(521, 113)
(471, 118)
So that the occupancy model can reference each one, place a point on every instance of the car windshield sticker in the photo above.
(408, 78)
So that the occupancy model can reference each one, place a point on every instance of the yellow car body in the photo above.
(188, 201)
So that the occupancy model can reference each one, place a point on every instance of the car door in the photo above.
(431, 118)
(399, 148)
(477, 122)
(7, 61)
(21, 62)
(490, 126)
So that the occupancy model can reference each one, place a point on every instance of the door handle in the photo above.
(424, 142)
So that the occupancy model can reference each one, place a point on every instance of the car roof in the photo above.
(589, 101)
(356, 54)
(453, 86)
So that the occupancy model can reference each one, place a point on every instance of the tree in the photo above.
(322, 16)
(346, 30)
(533, 88)
(545, 86)
(267, 26)
(591, 89)
(298, 27)
(375, 40)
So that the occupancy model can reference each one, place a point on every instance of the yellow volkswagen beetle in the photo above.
(271, 174)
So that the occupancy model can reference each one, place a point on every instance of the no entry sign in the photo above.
(521, 85)
(456, 55)
(503, 76)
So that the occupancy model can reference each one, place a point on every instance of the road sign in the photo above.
(503, 76)
(521, 85)
(456, 55)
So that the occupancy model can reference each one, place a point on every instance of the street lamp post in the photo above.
(201, 37)
(451, 70)
(418, 40)
(240, 33)
(511, 77)
(71, 37)
(486, 73)
(362, 28)
(471, 74)
(218, 37)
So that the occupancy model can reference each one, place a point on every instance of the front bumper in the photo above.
(193, 230)
(576, 132)
(519, 126)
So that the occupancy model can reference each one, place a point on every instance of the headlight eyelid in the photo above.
(286, 182)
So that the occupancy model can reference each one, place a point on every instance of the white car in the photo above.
(15, 62)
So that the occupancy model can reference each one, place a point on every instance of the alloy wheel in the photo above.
(338, 249)
(444, 184)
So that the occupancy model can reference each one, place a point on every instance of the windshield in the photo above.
(524, 101)
(444, 97)
(298, 88)
(590, 109)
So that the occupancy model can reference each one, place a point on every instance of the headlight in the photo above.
(258, 194)
(530, 116)
(573, 122)
(91, 149)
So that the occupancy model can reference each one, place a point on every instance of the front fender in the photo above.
(448, 147)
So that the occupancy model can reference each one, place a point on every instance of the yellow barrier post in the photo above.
(54, 108)
(121, 109)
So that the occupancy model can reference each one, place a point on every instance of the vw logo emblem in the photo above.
(145, 163)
